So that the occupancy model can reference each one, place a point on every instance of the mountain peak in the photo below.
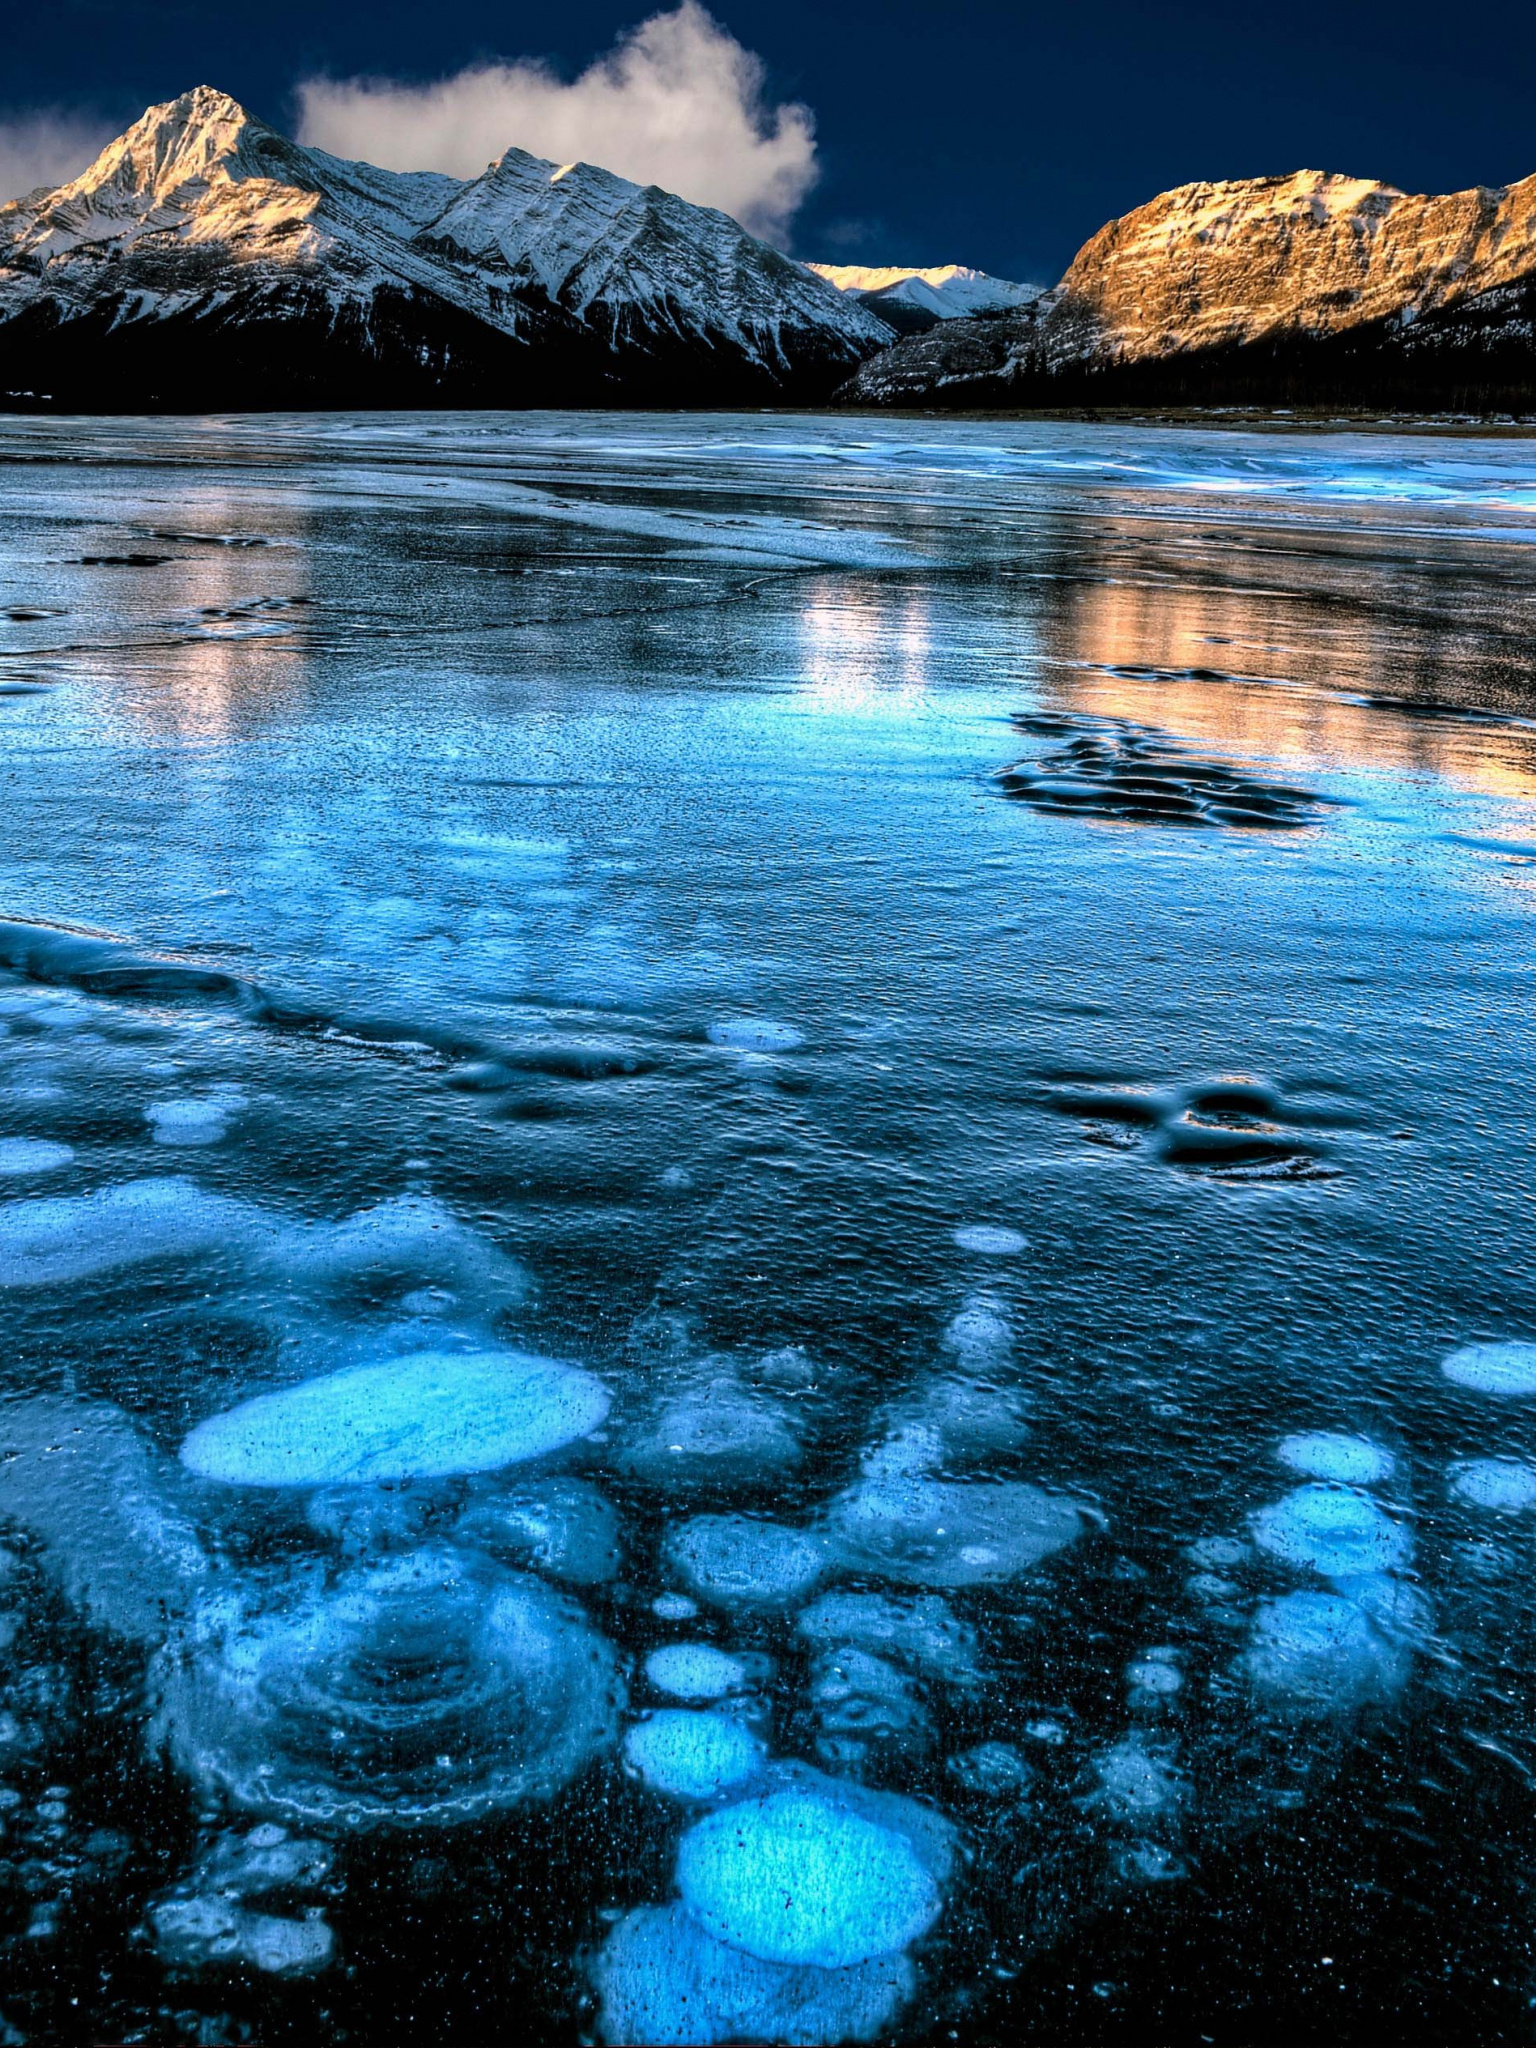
(196, 138)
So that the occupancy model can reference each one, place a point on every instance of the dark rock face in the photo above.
(205, 261)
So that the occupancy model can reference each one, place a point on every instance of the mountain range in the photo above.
(1310, 290)
(204, 260)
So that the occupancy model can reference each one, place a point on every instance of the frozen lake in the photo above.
(766, 1196)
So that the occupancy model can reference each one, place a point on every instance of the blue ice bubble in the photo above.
(1348, 1460)
(1138, 1781)
(1321, 1651)
(920, 1628)
(421, 1417)
(33, 1155)
(55, 1239)
(1507, 1370)
(755, 1034)
(1500, 1483)
(929, 1532)
(663, 1982)
(674, 1607)
(734, 1560)
(411, 1237)
(994, 1770)
(695, 1671)
(693, 1755)
(714, 1433)
(812, 1874)
(188, 1121)
(565, 1527)
(1332, 1530)
(108, 1511)
(991, 1240)
(428, 1690)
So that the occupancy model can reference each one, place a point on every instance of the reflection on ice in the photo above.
(425, 1690)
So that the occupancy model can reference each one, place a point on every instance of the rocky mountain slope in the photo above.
(1310, 289)
(205, 260)
(912, 301)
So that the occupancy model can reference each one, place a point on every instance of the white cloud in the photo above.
(678, 103)
(47, 149)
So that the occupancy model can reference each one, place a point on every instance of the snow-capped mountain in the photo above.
(915, 300)
(1306, 289)
(204, 259)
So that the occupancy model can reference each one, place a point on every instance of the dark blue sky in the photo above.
(974, 131)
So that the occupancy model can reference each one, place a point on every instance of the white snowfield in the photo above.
(949, 291)
(200, 201)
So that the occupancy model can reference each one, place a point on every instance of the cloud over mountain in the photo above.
(678, 102)
(46, 148)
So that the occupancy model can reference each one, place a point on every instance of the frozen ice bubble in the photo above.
(285, 1948)
(1332, 1530)
(929, 1532)
(429, 1690)
(565, 1527)
(995, 1770)
(695, 1671)
(862, 1704)
(992, 1240)
(54, 1239)
(1149, 1675)
(755, 1034)
(1320, 1650)
(188, 1122)
(1500, 1483)
(693, 1755)
(919, 1628)
(663, 1982)
(1507, 1370)
(733, 1560)
(717, 1433)
(424, 1416)
(674, 1607)
(1348, 1460)
(1137, 1782)
(33, 1155)
(979, 1333)
(807, 1876)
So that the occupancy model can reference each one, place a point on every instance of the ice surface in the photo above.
(1500, 1483)
(1348, 1460)
(695, 1671)
(931, 1532)
(1332, 1530)
(419, 1417)
(732, 1560)
(692, 1755)
(33, 1155)
(1321, 1651)
(1506, 1369)
(421, 1691)
(662, 1980)
(815, 1873)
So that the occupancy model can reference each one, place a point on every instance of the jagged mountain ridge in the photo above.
(1309, 289)
(914, 300)
(205, 259)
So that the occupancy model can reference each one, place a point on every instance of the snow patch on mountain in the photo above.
(948, 291)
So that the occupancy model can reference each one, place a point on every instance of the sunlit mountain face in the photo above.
(764, 1230)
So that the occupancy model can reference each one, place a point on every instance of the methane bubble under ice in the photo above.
(691, 1755)
(104, 1506)
(695, 1671)
(427, 1690)
(663, 1982)
(1321, 1651)
(33, 1155)
(991, 1240)
(55, 1239)
(930, 1532)
(732, 1560)
(1332, 1530)
(1503, 1484)
(1507, 1370)
(1347, 1460)
(425, 1416)
(755, 1034)
(816, 1872)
